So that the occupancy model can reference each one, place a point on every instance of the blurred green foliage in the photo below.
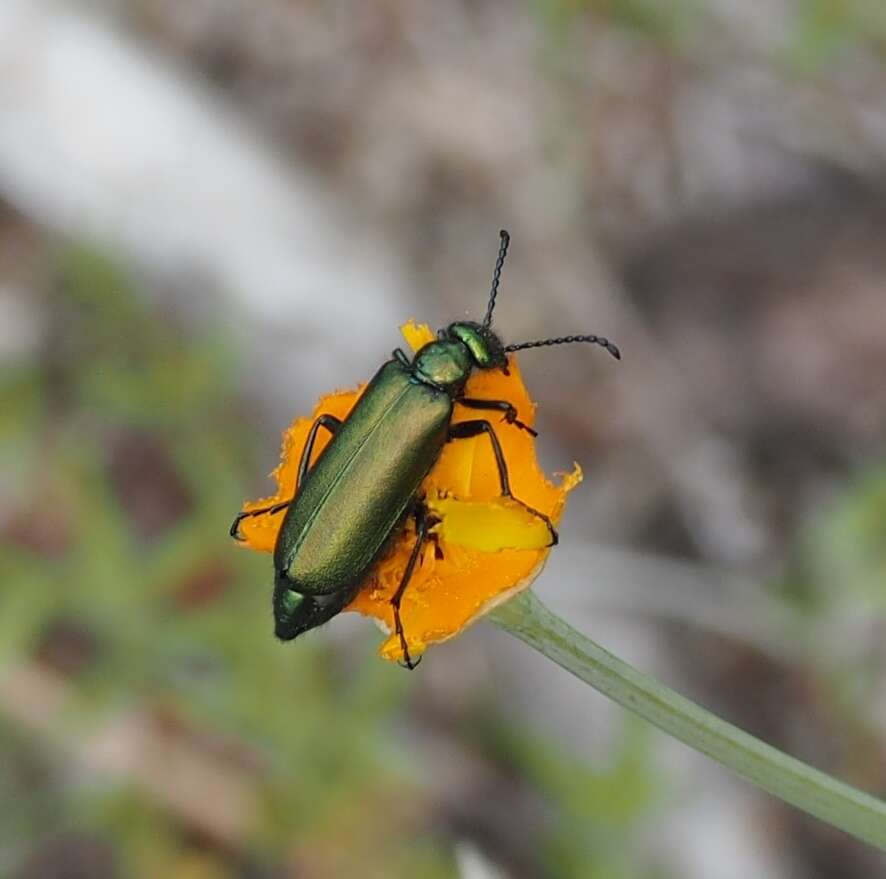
(130, 448)
(601, 807)
(816, 33)
(670, 22)
(838, 565)
(821, 31)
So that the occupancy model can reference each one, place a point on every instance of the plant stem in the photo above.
(806, 788)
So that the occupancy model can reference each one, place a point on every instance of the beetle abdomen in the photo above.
(359, 488)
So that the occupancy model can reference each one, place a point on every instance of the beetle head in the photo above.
(485, 347)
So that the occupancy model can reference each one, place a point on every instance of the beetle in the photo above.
(361, 491)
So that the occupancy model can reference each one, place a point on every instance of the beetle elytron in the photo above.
(366, 483)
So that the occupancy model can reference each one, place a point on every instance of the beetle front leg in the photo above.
(422, 525)
(500, 405)
(332, 424)
(468, 429)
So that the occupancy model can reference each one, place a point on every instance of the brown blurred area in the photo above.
(211, 213)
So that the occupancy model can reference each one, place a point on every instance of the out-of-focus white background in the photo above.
(212, 213)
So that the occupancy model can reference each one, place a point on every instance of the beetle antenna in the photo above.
(568, 340)
(496, 275)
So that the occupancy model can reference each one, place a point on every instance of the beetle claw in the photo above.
(235, 527)
(555, 537)
(407, 659)
(408, 663)
(517, 423)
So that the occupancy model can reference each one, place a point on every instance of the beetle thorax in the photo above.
(445, 363)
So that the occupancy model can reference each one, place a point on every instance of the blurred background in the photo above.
(213, 212)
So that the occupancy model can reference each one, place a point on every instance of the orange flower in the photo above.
(488, 547)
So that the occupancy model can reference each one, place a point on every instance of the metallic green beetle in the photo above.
(365, 485)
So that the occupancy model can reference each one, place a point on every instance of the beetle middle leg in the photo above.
(332, 424)
(499, 405)
(468, 429)
(422, 525)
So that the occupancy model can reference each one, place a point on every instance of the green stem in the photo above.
(804, 787)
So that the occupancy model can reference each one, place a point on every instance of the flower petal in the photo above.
(489, 526)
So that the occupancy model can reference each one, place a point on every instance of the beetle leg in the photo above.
(235, 525)
(502, 406)
(467, 429)
(332, 424)
(422, 524)
(401, 357)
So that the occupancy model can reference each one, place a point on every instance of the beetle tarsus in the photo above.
(407, 661)
(555, 537)
(270, 511)
(404, 646)
(508, 409)
(409, 664)
(517, 423)
(235, 527)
